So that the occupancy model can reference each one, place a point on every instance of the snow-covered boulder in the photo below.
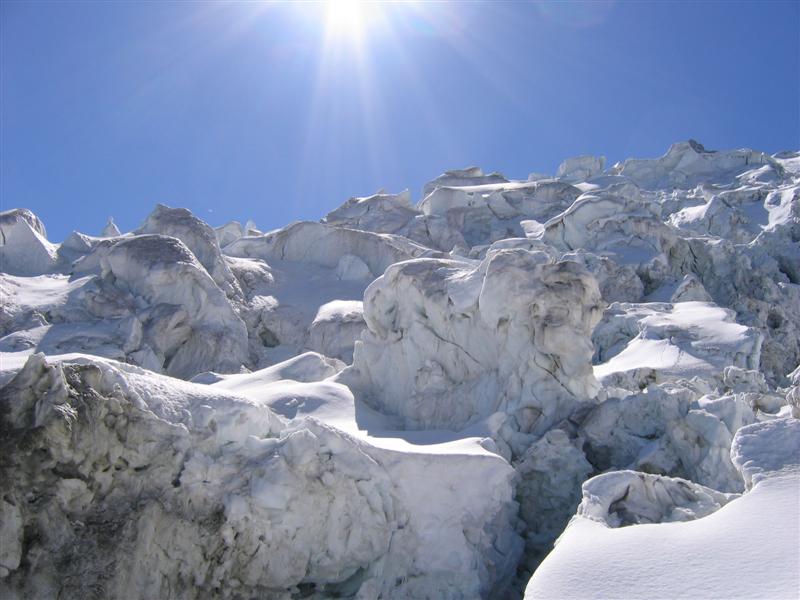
(450, 343)
(24, 249)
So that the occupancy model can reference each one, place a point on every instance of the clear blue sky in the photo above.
(272, 111)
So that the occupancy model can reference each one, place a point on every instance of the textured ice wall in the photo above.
(450, 343)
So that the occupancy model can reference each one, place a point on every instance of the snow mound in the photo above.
(767, 450)
(305, 367)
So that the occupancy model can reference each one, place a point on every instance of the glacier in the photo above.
(567, 386)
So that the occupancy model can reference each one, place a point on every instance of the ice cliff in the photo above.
(415, 399)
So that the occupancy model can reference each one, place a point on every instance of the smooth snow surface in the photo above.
(746, 549)
(412, 398)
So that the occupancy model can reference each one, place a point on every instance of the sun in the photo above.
(346, 17)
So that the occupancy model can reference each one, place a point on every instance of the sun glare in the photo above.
(346, 17)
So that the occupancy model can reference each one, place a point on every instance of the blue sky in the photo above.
(268, 111)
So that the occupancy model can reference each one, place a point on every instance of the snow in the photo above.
(451, 343)
(24, 249)
(111, 229)
(688, 163)
(486, 213)
(336, 327)
(306, 386)
(323, 245)
(416, 399)
(274, 484)
(152, 303)
(198, 237)
(284, 300)
(710, 557)
(678, 340)
(581, 168)
(457, 177)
